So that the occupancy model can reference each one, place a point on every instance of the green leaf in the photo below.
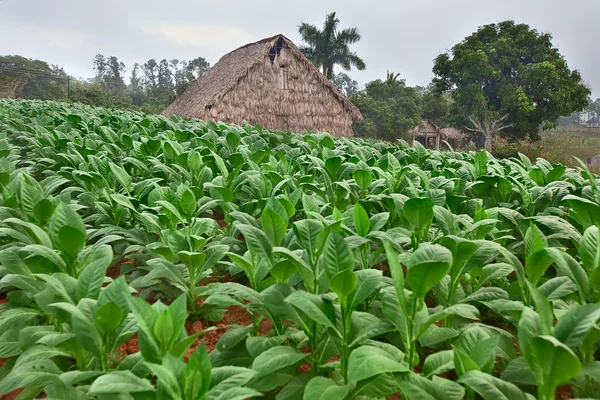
(320, 388)
(361, 220)
(238, 393)
(438, 363)
(480, 162)
(590, 248)
(196, 377)
(43, 211)
(274, 226)
(277, 358)
(419, 212)
(311, 305)
(258, 244)
(544, 309)
(164, 328)
(517, 371)
(367, 282)
(67, 230)
(368, 361)
(363, 179)
(108, 318)
(121, 175)
(343, 284)
(94, 261)
(120, 382)
(426, 267)
(337, 256)
(188, 202)
(556, 362)
(572, 327)
(491, 388)
(233, 336)
(257, 345)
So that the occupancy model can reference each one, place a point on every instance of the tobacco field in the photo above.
(151, 258)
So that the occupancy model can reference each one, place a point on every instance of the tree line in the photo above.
(149, 86)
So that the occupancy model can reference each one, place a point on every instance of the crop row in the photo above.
(365, 269)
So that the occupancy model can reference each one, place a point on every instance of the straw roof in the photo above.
(425, 127)
(225, 75)
(451, 133)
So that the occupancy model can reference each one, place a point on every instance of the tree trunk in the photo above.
(489, 136)
(325, 70)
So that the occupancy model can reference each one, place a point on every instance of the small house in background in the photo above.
(268, 83)
(428, 134)
(455, 137)
(593, 122)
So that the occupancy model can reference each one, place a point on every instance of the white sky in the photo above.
(400, 36)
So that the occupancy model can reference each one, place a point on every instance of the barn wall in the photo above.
(292, 100)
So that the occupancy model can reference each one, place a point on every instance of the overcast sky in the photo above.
(398, 35)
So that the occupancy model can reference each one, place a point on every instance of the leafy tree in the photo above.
(100, 67)
(508, 77)
(436, 106)
(135, 86)
(329, 46)
(22, 77)
(346, 85)
(389, 108)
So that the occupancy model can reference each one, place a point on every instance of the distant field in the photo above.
(562, 145)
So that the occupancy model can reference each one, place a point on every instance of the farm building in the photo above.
(268, 83)
(430, 135)
(593, 122)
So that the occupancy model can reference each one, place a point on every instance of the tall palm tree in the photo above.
(329, 46)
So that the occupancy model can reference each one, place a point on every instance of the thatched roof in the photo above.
(451, 133)
(425, 127)
(233, 66)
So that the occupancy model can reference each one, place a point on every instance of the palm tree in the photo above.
(328, 46)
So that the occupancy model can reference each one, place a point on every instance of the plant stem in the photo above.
(546, 393)
(411, 329)
(315, 363)
(344, 355)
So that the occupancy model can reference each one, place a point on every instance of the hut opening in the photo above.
(272, 84)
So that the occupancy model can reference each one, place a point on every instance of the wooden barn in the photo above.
(268, 83)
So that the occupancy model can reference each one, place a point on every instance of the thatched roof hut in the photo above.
(451, 134)
(272, 84)
(428, 134)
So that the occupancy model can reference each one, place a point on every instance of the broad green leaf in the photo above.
(277, 358)
(368, 361)
(94, 262)
(491, 388)
(418, 212)
(361, 220)
(572, 328)
(274, 226)
(320, 388)
(120, 382)
(438, 363)
(337, 256)
(556, 362)
(426, 267)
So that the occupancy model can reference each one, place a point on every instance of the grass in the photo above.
(557, 146)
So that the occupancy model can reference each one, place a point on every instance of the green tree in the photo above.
(509, 78)
(346, 85)
(26, 78)
(329, 46)
(435, 106)
(389, 108)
